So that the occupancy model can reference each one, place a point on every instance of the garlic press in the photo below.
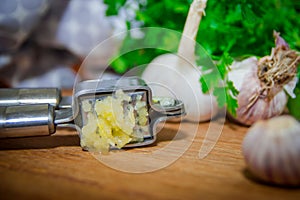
(28, 112)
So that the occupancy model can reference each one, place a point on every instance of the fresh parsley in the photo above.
(230, 27)
(214, 79)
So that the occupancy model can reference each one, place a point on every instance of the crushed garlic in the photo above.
(114, 121)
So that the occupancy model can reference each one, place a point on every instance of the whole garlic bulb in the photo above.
(271, 149)
(263, 83)
(178, 74)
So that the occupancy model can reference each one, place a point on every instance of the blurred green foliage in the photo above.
(239, 27)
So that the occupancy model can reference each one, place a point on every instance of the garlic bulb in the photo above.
(271, 149)
(178, 75)
(263, 83)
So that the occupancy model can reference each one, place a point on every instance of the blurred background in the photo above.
(43, 42)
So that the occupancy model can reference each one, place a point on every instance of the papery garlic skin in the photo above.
(244, 78)
(263, 84)
(271, 150)
(240, 69)
(171, 76)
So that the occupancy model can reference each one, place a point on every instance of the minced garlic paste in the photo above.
(113, 121)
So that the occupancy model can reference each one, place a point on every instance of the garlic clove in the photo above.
(260, 153)
(271, 149)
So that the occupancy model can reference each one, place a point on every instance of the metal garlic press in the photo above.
(40, 111)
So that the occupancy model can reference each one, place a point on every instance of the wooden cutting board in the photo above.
(55, 167)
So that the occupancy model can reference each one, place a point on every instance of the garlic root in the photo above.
(263, 84)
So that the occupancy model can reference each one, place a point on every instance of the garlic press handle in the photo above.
(22, 96)
(26, 120)
(162, 112)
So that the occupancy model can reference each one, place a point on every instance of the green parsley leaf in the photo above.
(231, 102)
(231, 87)
(210, 81)
(204, 86)
(220, 94)
(224, 64)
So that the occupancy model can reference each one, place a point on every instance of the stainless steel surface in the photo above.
(43, 118)
(22, 96)
(63, 116)
(158, 111)
(65, 102)
(24, 120)
(103, 86)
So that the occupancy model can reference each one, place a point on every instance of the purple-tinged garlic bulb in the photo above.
(271, 150)
(263, 84)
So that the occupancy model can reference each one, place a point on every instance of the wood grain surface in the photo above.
(55, 167)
